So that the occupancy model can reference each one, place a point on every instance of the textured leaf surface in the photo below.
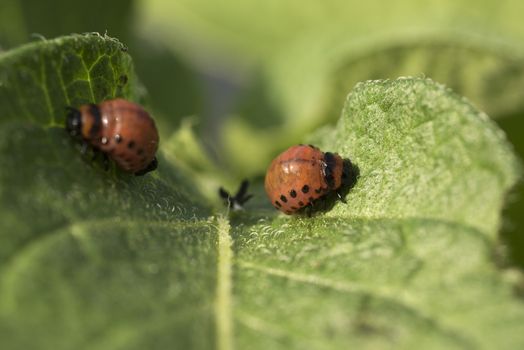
(103, 260)
(423, 151)
(86, 255)
(371, 283)
(407, 262)
(39, 80)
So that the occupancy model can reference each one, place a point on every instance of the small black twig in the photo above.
(237, 201)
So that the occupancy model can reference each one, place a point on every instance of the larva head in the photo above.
(74, 122)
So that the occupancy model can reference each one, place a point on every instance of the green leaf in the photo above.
(174, 89)
(163, 74)
(371, 283)
(91, 259)
(511, 229)
(408, 261)
(475, 48)
(423, 151)
(189, 155)
(22, 19)
(251, 31)
(40, 79)
(490, 74)
(90, 246)
(309, 57)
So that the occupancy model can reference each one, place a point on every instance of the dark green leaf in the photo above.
(91, 259)
(39, 80)
(21, 20)
(87, 255)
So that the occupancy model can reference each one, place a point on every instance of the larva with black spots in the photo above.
(302, 174)
(122, 130)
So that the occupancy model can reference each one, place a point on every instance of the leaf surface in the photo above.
(91, 259)
(408, 262)
(83, 249)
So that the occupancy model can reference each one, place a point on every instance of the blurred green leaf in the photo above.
(174, 89)
(22, 19)
(300, 94)
(104, 260)
(185, 150)
(306, 57)
(336, 33)
(513, 225)
(253, 30)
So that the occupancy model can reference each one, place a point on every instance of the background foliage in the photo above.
(95, 259)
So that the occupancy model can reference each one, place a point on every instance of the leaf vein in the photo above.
(223, 302)
(403, 299)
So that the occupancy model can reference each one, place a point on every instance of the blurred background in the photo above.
(250, 78)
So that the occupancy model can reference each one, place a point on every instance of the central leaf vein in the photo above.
(223, 302)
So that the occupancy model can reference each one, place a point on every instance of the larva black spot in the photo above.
(318, 190)
(118, 138)
(301, 203)
(131, 144)
(293, 193)
(283, 198)
(277, 203)
(294, 208)
(305, 189)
